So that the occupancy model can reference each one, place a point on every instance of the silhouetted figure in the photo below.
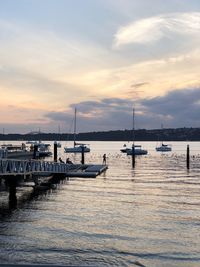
(61, 161)
(104, 159)
(68, 161)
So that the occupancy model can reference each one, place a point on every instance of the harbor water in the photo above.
(148, 215)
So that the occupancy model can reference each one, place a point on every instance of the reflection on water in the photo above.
(142, 216)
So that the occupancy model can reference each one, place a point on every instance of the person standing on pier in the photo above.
(104, 159)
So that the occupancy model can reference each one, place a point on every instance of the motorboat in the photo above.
(43, 149)
(15, 151)
(164, 148)
(124, 149)
(136, 150)
(77, 148)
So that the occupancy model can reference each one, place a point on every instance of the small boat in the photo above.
(136, 149)
(77, 148)
(164, 148)
(43, 149)
(15, 151)
(124, 149)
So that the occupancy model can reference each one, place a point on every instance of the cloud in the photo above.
(102, 115)
(41, 66)
(152, 29)
(178, 108)
(137, 85)
(22, 87)
(45, 71)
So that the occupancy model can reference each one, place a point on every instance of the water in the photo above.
(146, 216)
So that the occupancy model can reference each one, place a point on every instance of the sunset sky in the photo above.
(102, 57)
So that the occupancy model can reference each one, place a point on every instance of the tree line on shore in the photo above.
(171, 134)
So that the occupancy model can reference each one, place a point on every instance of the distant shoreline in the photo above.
(170, 134)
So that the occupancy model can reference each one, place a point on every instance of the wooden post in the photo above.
(188, 157)
(55, 150)
(12, 194)
(35, 151)
(133, 156)
(82, 155)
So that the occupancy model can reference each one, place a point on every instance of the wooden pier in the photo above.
(41, 174)
(88, 171)
(25, 168)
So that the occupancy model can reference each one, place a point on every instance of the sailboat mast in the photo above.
(162, 132)
(75, 127)
(133, 130)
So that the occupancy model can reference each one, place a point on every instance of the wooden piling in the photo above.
(12, 184)
(35, 151)
(55, 151)
(188, 157)
(133, 156)
(82, 155)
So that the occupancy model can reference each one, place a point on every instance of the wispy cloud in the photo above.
(152, 29)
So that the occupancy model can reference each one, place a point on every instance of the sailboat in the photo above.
(78, 147)
(163, 147)
(136, 149)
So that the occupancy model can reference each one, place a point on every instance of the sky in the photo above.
(103, 57)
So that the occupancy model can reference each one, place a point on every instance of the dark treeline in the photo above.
(179, 134)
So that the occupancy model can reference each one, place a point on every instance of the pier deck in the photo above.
(14, 168)
(88, 171)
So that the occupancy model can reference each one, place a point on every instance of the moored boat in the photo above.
(124, 149)
(77, 148)
(43, 149)
(15, 151)
(164, 148)
(136, 150)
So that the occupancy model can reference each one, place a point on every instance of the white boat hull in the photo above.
(76, 149)
(163, 149)
(137, 152)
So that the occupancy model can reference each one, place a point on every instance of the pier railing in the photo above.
(23, 167)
